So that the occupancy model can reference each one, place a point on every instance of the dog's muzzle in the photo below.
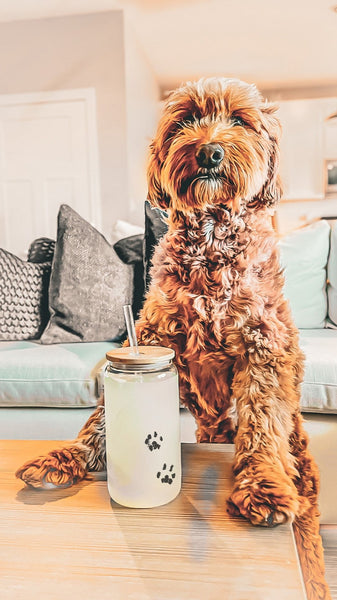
(209, 156)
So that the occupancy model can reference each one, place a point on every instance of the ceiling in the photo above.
(273, 43)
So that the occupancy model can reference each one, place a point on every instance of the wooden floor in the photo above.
(329, 537)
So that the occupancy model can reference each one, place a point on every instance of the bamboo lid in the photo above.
(146, 355)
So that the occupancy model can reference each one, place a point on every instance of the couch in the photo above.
(49, 390)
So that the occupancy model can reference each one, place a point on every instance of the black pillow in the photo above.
(130, 251)
(41, 250)
(23, 297)
(155, 229)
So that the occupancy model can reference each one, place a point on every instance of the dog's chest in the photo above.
(209, 310)
(209, 269)
(209, 281)
(216, 242)
(207, 264)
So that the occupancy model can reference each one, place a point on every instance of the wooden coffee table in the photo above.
(76, 543)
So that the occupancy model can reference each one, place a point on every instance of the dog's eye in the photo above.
(236, 120)
(188, 120)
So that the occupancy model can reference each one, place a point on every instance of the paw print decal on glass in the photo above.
(166, 476)
(152, 442)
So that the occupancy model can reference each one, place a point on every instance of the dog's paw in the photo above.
(58, 469)
(267, 500)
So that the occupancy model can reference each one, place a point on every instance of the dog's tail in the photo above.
(311, 554)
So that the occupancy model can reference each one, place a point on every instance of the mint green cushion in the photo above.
(304, 257)
(57, 375)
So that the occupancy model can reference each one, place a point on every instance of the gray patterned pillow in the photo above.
(23, 297)
(88, 285)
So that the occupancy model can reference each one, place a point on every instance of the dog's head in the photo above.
(217, 143)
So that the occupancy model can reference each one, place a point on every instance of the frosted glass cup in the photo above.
(142, 426)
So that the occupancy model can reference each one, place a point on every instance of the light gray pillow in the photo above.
(88, 285)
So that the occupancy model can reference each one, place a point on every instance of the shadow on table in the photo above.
(172, 546)
(33, 496)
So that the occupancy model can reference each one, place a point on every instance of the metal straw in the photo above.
(130, 327)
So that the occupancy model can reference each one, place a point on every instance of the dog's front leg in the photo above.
(70, 464)
(264, 467)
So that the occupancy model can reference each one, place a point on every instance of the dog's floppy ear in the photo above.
(271, 191)
(156, 196)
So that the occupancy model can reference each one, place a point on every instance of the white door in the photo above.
(48, 156)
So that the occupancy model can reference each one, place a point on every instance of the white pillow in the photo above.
(304, 256)
(123, 229)
(332, 276)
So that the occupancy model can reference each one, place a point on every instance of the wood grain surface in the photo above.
(76, 543)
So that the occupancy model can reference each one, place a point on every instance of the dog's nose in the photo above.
(209, 155)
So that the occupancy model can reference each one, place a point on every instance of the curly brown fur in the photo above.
(216, 298)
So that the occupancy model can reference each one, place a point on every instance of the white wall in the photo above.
(77, 52)
(291, 215)
(142, 111)
(307, 141)
(305, 144)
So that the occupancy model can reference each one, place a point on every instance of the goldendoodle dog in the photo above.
(216, 298)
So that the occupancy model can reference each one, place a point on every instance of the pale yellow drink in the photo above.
(142, 428)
